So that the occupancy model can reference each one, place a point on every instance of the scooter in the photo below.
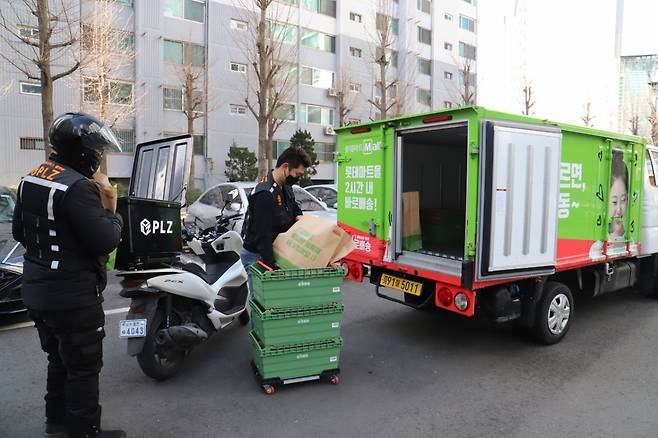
(179, 306)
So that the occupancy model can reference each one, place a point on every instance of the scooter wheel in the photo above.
(269, 389)
(335, 379)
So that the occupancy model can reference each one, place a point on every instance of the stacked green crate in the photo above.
(296, 317)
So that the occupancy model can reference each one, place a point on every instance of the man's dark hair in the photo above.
(295, 157)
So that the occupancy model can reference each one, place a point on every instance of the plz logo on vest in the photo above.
(156, 227)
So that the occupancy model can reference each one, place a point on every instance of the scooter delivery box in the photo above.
(151, 212)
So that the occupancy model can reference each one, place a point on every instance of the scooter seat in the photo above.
(209, 277)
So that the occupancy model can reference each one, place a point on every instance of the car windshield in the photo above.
(324, 194)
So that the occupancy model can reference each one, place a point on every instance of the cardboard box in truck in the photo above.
(516, 214)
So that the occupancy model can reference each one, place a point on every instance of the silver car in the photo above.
(235, 196)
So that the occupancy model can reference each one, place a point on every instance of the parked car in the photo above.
(327, 193)
(210, 204)
(11, 258)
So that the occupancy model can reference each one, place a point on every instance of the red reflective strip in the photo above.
(437, 119)
(360, 130)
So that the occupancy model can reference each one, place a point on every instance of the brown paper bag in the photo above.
(411, 235)
(311, 243)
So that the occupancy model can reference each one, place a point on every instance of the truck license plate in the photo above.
(132, 328)
(406, 286)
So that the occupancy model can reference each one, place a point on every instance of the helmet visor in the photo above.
(111, 142)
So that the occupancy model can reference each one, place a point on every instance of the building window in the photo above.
(326, 7)
(238, 67)
(199, 144)
(447, 46)
(315, 114)
(447, 75)
(424, 5)
(316, 77)
(128, 3)
(472, 2)
(285, 111)
(286, 33)
(238, 110)
(318, 40)
(28, 32)
(119, 41)
(424, 66)
(127, 139)
(30, 88)
(355, 52)
(287, 72)
(177, 52)
(355, 88)
(325, 151)
(423, 96)
(447, 104)
(391, 91)
(238, 24)
(391, 56)
(466, 50)
(32, 144)
(424, 35)
(281, 145)
(384, 20)
(188, 9)
(358, 18)
(467, 23)
(114, 92)
(172, 98)
(447, 17)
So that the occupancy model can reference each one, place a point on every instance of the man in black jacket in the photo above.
(272, 207)
(65, 217)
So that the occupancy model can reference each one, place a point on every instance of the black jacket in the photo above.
(272, 210)
(67, 233)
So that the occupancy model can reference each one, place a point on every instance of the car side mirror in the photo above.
(335, 206)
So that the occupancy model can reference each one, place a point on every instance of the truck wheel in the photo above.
(555, 312)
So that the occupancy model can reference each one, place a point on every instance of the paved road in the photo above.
(406, 373)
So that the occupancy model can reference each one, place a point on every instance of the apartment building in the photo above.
(326, 41)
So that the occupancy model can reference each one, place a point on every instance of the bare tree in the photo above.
(587, 116)
(269, 45)
(109, 54)
(40, 37)
(467, 86)
(385, 40)
(405, 90)
(528, 99)
(344, 97)
(634, 124)
(4, 90)
(652, 118)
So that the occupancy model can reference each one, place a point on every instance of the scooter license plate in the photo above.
(132, 328)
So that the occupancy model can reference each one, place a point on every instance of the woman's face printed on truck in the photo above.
(618, 196)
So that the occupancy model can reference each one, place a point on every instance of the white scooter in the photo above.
(177, 307)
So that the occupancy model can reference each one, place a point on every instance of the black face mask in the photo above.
(292, 180)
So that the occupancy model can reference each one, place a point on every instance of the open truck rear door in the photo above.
(518, 200)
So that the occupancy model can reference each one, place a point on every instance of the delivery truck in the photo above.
(497, 215)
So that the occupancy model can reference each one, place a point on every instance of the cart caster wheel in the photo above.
(335, 380)
(269, 389)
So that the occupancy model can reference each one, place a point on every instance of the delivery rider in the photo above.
(65, 218)
(272, 207)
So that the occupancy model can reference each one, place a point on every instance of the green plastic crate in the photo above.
(294, 361)
(296, 326)
(296, 287)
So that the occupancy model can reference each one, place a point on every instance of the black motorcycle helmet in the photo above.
(80, 140)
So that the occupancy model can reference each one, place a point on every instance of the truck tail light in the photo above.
(360, 130)
(444, 297)
(461, 301)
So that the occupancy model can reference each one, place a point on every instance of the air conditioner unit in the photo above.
(332, 92)
(329, 130)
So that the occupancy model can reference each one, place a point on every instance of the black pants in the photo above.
(73, 341)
